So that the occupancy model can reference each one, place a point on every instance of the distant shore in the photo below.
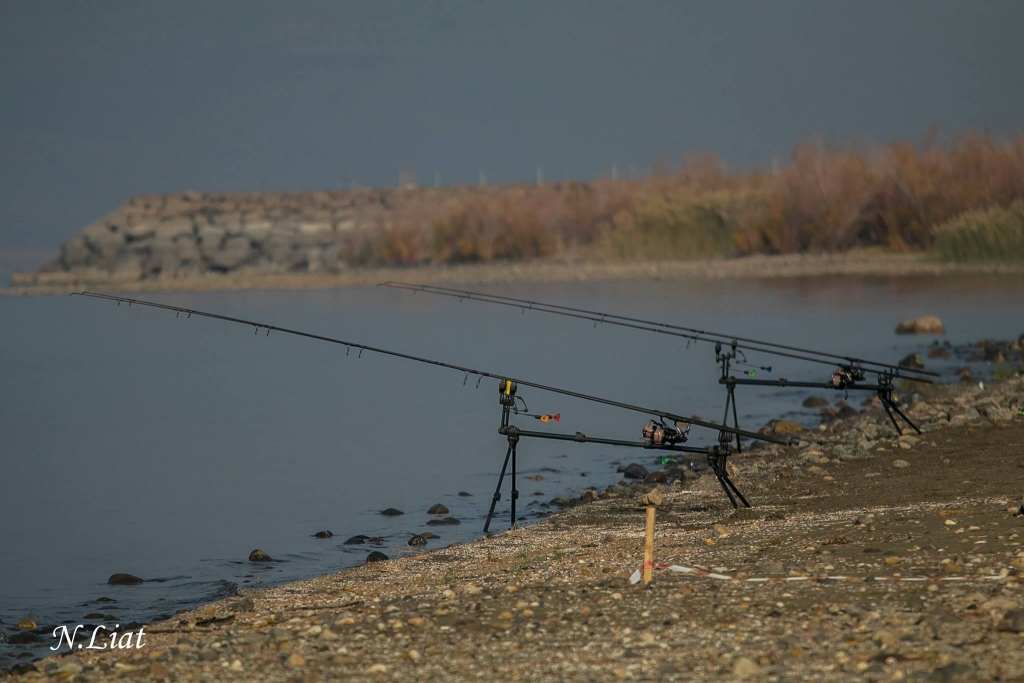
(857, 263)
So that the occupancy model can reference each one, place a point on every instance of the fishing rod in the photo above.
(693, 334)
(848, 376)
(667, 433)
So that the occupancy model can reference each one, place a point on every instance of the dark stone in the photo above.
(376, 540)
(243, 604)
(447, 521)
(391, 512)
(259, 556)
(417, 541)
(24, 638)
(847, 412)
(427, 534)
(357, 540)
(814, 402)
(912, 361)
(437, 509)
(634, 471)
(1013, 621)
(939, 352)
(93, 615)
(121, 579)
(23, 668)
(656, 477)
(465, 494)
(954, 671)
(376, 556)
(323, 534)
(566, 502)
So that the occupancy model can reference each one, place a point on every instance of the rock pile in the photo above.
(191, 234)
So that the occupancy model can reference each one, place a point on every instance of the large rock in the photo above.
(927, 324)
(784, 427)
(74, 252)
(912, 361)
(235, 252)
(634, 471)
(122, 579)
(173, 228)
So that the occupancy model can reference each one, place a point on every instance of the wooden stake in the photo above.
(649, 546)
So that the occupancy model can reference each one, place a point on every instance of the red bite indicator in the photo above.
(546, 418)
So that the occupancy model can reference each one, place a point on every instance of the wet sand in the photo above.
(862, 263)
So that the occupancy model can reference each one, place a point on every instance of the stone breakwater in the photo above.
(184, 236)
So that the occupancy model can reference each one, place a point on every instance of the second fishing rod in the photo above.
(669, 431)
(849, 372)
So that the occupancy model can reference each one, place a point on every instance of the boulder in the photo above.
(173, 228)
(927, 324)
(257, 231)
(784, 427)
(323, 534)
(376, 556)
(259, 556)
(391, 512)
(634, 471)
(74, 252)
(437, 509)
(912, 361)
(416, 541)
(447, 521)
(122, 579)
(357, 540)
(814, 402)
(235, 252)
(939, 352)
(656, 477)
(210, 239)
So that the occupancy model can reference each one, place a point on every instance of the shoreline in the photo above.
(552, 601)
(857, 264)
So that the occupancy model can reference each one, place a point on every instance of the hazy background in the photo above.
(101, 101)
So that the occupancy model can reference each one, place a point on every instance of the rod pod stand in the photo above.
(883, 389)
(724, 361)
(717, 455)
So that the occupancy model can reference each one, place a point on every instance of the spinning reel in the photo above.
(846, 376)
(664, 434)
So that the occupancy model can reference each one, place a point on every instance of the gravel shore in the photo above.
(553, 601)
(862, 263)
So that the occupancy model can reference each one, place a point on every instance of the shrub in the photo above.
(993, 234)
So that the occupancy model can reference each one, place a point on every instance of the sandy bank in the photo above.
(553, 602)
(784, 266)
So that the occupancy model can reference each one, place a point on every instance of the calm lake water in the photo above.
(136, 442)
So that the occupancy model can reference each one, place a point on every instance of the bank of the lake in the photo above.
(553, 601)
(866, 263)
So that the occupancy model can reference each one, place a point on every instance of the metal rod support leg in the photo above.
(497, 489)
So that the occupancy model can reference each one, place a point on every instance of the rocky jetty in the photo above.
(193, 234)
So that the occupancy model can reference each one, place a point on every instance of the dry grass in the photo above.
(993, 234)
(824, 200)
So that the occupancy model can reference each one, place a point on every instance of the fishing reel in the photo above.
(846, 376)
(663, 434)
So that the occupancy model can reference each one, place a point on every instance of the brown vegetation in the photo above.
(824, 199)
